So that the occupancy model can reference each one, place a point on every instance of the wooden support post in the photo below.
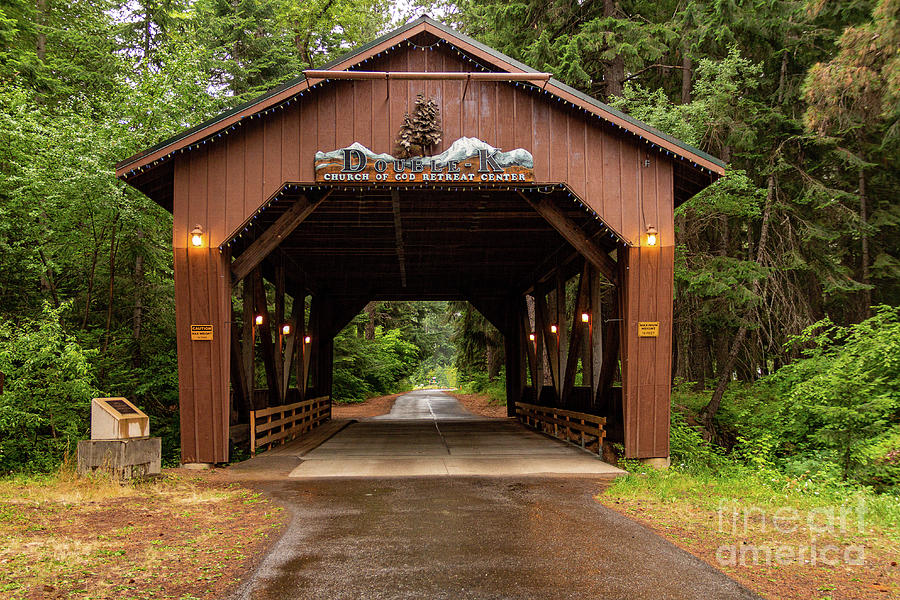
(238, 377)
(562, 332)
(579, 329)
(646, 296)
(324, 347)
(303, 348)
(526, 325)
(203, 296)
(512, 345)
(277, 326)
(549, 339)
(265, 337)
(513, 372)
(597, 329)
(291, 342)
(610, 357)
(248, 340)
(313, 331)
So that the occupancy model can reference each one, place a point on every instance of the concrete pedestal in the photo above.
(657, 463)
(125, 459)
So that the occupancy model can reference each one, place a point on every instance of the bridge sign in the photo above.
(466, 161)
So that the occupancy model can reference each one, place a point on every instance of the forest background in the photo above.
(788, 269)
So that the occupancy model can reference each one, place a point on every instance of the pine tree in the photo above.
(421, 130)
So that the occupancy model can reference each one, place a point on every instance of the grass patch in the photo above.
(785, 537)
(174, 536)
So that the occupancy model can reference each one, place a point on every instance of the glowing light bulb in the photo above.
(197, 236)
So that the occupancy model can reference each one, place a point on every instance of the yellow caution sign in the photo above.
(201, 333)
(648, 329)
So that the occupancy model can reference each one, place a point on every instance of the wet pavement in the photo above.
(427, 404)
(459, 537)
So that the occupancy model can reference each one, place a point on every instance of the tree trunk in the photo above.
(138, 311)
(494, 357)
(41, 42)
(370, 324)
(90, 284)
(613, 70)
(113, 247)
(709, 411)
(48, 279)
(864, 245)
(687, 67)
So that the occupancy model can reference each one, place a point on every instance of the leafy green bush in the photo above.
(478, 382)
(831, 415)
(687, 447)
(45, 406)
(844, 395)
(882, 465)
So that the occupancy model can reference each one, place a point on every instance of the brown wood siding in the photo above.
(222, 183)
(646, 295)
(202, 296)
(602, 168)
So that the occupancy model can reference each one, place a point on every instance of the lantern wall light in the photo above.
(585, 317)
(553, 329)
(286, 329)
(307, 340)
(259, 319)
(531, 336)
(652, 236)
(197, 236)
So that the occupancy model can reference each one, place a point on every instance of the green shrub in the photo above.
(844, 395)
(365, 368)
(688, 449)
(479, 383)
(882, 466)
(45, 407)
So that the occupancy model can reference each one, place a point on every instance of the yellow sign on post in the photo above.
(201, 333)
(648, 329)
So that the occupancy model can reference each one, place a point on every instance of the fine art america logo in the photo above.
(467, 160)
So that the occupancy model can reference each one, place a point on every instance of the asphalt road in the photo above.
(469, 537)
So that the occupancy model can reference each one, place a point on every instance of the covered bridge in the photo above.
(533, 190)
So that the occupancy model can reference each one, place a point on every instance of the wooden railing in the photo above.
(283, 423)
(575, 427)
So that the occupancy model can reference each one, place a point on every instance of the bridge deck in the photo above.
(430, 433)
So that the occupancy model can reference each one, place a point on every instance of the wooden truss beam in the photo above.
(531, 346)
(250, 258)
(542, 323)
(574, 235)
(273, 379)
(577, 337)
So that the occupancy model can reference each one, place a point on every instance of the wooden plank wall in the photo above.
(646, 295)
(219, 185)
(246, 167)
